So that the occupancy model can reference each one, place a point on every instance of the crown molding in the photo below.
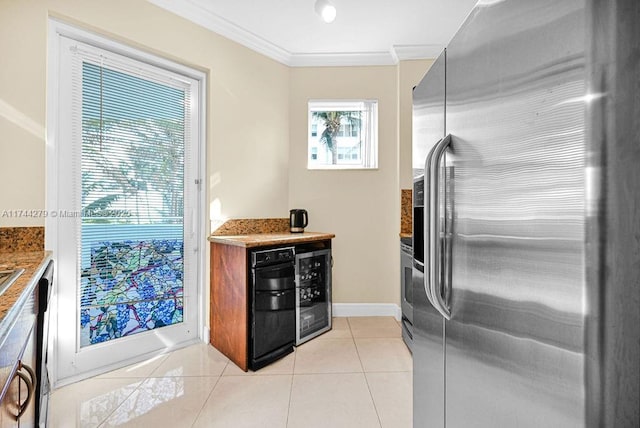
(340, 59)
(408, 52)
(211, 21)
(219, 25)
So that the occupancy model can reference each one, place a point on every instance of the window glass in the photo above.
(343, 134)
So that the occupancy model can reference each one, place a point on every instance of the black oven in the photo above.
(273, 305)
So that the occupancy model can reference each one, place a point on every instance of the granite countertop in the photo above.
(405, 235)
(266, 239)
(34, 264)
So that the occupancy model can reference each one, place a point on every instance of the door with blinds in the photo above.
(127, 208)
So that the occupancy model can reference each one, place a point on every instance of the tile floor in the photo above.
(356, 375)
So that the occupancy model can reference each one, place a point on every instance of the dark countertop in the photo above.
(34, 264)
(266, 239)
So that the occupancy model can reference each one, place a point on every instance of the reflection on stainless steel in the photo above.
(428, 340)
(8, 277)
(537, 222)
(613, 222)
(538, 219)
(516, 337)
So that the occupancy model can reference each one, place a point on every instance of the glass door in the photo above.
(313, 296)
(128, 283)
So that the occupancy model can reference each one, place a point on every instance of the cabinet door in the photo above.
(28, 418)
(229, 302)
(9, 406)
(313, 294)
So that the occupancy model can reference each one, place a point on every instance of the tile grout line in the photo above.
(141, 380)
(210, 392)
(293, 373)
(145, 379)
(375, 407)
(102, 423)
(373, 401)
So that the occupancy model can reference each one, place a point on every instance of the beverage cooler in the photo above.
(313, 294)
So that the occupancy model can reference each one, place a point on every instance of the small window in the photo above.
(343, 134)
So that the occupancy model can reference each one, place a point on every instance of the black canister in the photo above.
(298, 220)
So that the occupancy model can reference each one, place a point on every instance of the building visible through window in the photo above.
(342, 134)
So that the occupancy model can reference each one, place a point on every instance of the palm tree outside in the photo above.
(332, 122)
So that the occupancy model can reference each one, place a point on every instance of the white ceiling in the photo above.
(365, 32)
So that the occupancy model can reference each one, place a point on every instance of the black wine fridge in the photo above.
(313, 293)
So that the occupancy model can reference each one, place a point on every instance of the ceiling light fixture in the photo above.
(326, 10)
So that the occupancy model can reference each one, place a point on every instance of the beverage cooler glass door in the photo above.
(313, 296)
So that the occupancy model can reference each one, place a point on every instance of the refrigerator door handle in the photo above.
(435, 243)
(425, 228)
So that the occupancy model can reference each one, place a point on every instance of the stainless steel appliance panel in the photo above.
(406, 291)
(43, 387)
(406, 281)
(428, 325)
(516, 110)
(613, 215)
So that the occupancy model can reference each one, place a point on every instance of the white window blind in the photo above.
(132, 126)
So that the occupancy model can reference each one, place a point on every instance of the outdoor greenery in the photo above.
(134, 166)
(332, 121)
(133, 136)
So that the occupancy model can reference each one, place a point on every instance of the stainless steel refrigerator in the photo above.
(526, 271)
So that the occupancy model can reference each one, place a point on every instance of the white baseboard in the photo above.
(366, 310)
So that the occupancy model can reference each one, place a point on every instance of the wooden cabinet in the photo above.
(229, 318)
(230, 298)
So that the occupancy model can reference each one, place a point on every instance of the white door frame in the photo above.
(53, 183)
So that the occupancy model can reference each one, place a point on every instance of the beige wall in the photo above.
(256, 124)
(360, 206)
(409, 75)
(247, 121)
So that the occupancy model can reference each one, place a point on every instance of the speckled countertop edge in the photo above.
(262, 232)
(267, 239)
(34, 264)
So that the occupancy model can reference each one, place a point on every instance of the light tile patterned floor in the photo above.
(356, 375)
